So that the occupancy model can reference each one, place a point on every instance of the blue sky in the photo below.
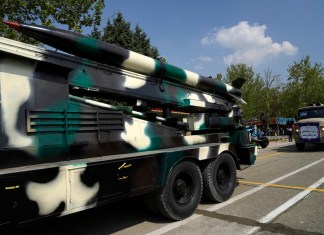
(206, 36)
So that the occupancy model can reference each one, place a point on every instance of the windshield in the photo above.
(311, 113)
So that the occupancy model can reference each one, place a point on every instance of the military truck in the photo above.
(77, 133)
(309, 129)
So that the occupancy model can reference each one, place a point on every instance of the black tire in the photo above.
(182, 193)
(264, 142)
(300, 146)
(219, 177)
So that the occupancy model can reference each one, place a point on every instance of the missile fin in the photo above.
(238, 83)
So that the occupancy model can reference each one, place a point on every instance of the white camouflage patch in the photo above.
(133, 83)
(192, 78)
(200, 121)
(15, 91)
(134, 135)
(203, 153)
(223, 147)
(194, 139)
(50, 195)
(142, 64)
(209, 98)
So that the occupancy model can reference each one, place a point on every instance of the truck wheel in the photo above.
(219, 178)
(300, 146)
(264, 142)
(182, 192)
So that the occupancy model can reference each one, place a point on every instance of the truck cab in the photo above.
(309, 129)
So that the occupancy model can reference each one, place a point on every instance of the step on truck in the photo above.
(96, 123)
(309, 128)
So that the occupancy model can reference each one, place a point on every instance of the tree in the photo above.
(141, 43)
(218, 77)
(73, 13)
(243, 71)
(96, 33)
(271, 93)
(252, 94)
(238, 71)
(305, 85)
(119, 32)
(260, 93)
(266, 94)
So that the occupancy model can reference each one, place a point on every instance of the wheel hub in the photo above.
(181, 186)
(221, 176)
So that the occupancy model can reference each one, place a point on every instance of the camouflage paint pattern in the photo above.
(90, 48)
(56, 153)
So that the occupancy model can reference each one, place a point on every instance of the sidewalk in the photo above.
(280, 138)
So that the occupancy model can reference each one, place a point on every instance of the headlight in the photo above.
(322, 128)
(297, 130)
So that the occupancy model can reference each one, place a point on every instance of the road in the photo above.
(283, 193)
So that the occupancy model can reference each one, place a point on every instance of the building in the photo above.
(275, 126)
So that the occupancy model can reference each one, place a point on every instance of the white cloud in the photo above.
(205, 59)
(199, 67)
(249, 42)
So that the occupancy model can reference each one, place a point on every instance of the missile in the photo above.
(103, 52)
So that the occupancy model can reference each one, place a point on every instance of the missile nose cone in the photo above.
(13, 25)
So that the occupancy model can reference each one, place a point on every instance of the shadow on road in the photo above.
(292, 148)
(107, 219)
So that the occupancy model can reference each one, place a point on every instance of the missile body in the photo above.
(96, 50)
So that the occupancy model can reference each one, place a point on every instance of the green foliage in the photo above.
(97, 13)
(141, 43)
(305, 85)
(266, 94)
(219, 77)
(260, 92)
(239, 71)
(119, 32)
(73, 13)
(249, 88)
(263, 94)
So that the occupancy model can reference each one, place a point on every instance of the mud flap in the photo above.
(247, 155)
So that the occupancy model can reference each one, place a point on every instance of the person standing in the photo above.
(289, 132)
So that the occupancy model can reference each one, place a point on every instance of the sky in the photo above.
(206, 36)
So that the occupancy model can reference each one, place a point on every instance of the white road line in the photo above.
(276, 212)
(247, 193)
(174, 225)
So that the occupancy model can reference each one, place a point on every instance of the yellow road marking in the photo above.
(270, 155)
(281, 186)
